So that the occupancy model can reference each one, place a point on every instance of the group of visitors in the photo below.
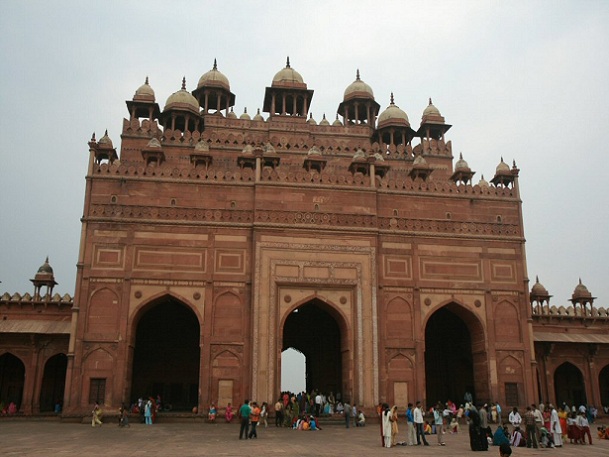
(250, 415)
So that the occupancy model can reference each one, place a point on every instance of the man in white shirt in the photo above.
(317, 404)
(418, 422)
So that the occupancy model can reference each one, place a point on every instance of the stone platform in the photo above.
(59, 439)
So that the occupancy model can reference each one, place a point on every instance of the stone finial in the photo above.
(430, 101)
(146, 82)
(215, 64)
(184, 83)
(391, 98)
(287, 64)
(357, 75)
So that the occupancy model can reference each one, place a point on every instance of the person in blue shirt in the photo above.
(411, 434)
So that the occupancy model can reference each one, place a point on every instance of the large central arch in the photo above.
(315, 330)
(455, 356)
(166, 356)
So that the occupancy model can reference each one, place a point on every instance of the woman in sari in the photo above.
(228, 415)
(394, 425)
(562, 419)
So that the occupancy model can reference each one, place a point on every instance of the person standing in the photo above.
(318, 404)
(439, 423)
(354, 414)
(148, 412)
(555, 426)
(347, 412)
(264, 413)
(254, 418)
(244, 415)
(530, 423)
(386, 425)
(515, 418)
(418, 422)
(394, 425)
(278, 413)
(411, 434)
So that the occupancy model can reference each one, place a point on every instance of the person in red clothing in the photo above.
(254, 418)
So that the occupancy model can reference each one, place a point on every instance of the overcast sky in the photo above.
(526, 80)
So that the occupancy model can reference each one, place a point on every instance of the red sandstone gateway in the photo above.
(211, 243)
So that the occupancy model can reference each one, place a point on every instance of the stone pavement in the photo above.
(59, 439)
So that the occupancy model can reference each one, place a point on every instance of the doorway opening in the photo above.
(454, 350)
(12, 377)
(312, 330)
(166, 357)
(569, 385)
(53, 383)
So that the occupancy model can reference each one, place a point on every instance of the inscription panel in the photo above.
(449, 269)
(150, 258)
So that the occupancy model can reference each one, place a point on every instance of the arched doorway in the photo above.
(454, 351)
(166, 357)
(603, 384)
(12, 377)
(569, 385)
(313, 330)
(53, 382)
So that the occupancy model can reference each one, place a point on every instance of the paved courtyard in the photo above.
(57, 439)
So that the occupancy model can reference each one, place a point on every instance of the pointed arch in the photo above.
(53, 382)
(103, 314)
(12, 379)
(398, 322)
(603, 381)
(569, 385)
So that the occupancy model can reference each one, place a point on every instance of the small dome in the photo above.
(258, 116)
(311, 120)
(431, 110)
(581, 291)
(202, 146)
(358, 87)
(538, 289)
(314, 151)
(214, 78)
(502, 167)
(288, 75)
(144, 92)
(324, 121)
(483, 182)
(245, 116)
(248, 150)
(461, 164)
(337, 122)
(359, 154)
(393, 113)
(379, 157)
(45, 268)
(232, 114)
(105, 141)
(182, 99)
(154, 143)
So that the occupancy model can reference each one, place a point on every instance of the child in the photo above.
(454, 425)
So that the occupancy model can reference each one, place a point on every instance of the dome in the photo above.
(45, 268)
(248, 150)
(105, 141)
(269, 148)
(581, 291)
(232, 114)
(379, 157)
(182, 99)
(258, 116)
(144, 92)
(153, 143)
(245, 116)
(311, 121)
(358, 87)
(214, 78)
(461, 164)
(431, 110)
(337, 122)
(324, 121)
(483, 182)
(502, 167)
(288, 75)
(538, 289)
(393, 113)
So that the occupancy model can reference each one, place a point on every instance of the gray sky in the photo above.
(526, 80)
